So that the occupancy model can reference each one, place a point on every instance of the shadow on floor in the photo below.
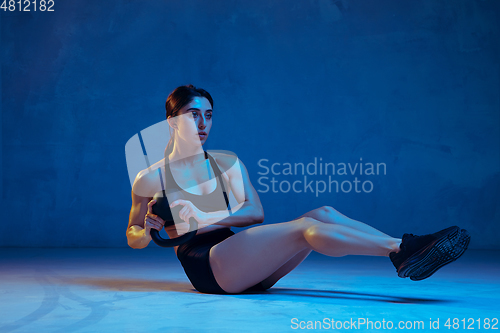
(165, 285)
(132, 284)
(353, 296)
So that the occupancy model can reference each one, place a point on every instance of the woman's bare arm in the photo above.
(136, 236)
(249, 211)
(138, 233)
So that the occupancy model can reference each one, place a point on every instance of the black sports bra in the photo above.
(205, 202)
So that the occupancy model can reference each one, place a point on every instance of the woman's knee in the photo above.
(328, 210)
(322, 213)
(311, 232)
(307, 221)
(316, 231)
(308, 226)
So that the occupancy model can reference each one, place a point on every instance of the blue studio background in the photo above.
(412, 84)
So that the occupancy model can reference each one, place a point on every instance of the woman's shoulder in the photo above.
(147, 182)
(225, 159)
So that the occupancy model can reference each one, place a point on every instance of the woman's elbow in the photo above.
(134, 245)
(259, 216)
(131, 241)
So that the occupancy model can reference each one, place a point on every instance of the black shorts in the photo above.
(194, 257)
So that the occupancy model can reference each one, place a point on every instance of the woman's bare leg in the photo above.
(289, 266)
(329, 214)
(254, 254)
(324, 214)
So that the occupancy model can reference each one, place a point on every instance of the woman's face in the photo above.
(194, 121)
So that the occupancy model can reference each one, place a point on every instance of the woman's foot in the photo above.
(421, 256)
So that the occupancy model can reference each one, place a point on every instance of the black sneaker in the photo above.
(444, 254)
(422, 256)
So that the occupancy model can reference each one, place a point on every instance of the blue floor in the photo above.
(126, 290)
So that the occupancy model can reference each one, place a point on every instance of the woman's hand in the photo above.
(189, 210)
(152, 221)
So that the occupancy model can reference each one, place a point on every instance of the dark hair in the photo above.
(177, 100)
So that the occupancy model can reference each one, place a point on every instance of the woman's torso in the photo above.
(205, 190)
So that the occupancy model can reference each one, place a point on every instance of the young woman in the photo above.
(217, 260)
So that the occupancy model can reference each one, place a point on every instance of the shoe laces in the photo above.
(414, 241)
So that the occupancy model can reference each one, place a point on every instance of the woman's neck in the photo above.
(186, 157)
